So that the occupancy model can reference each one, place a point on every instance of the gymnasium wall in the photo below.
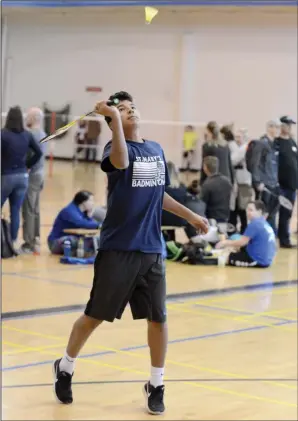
(240, 68)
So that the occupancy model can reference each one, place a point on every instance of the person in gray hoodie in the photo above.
(31, 208)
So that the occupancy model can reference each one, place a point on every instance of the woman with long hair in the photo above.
(215, 145)
(16, 142)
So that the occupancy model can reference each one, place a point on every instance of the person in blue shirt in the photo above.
(129, 266)
(16, 143)
(257, 244)
(75, 215)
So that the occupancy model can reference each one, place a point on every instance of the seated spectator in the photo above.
(187, 197)
(216, 191)
(257, 246)
(75, 215)
(177, 191)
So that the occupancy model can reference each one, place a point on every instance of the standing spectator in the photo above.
(227, 133)
(288, 177)
(31, 208)
(189, 147)
(216, 146)
(15, 145)
(80, 137)
(264, 171)
(243, 180)
(216, 191)
(93, 132)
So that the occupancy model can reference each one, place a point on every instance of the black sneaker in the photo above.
(62, 384)
(154, 399)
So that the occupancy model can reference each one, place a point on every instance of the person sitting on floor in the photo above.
(216, 191)
(73, 216)
(179, 192)
(257, 246)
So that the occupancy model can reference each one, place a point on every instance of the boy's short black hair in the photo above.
(81, 197)
(259, 205)
(120, 96)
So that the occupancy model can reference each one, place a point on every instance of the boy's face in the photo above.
(130, 116)
(89, 204)
(252, 212)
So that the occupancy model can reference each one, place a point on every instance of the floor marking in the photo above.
(181, 308)
(193, 384)
(135, 354)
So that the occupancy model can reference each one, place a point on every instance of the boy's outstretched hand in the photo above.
(199, 223)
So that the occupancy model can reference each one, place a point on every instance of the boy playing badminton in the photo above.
(129, 267)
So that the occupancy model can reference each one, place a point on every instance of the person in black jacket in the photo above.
(16, 143)
(287, 175)
(265, 172)
(216, 146)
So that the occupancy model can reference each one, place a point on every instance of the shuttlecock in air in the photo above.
(150, 13)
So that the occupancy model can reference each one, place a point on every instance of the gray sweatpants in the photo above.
(31, 211)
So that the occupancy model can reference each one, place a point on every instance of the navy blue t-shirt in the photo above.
(135, 199)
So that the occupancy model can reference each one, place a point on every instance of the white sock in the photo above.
(156, 376)
(67, 364)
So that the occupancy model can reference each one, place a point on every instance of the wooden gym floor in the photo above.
(233, 337)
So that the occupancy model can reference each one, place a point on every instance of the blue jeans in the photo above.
(14, 188)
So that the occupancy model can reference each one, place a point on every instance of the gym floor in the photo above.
(232, 331)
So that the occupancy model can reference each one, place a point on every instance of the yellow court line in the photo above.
(181, 307)
(263, 313)
(130, 353)
(236, 295)
(193, 384)
(27, 349)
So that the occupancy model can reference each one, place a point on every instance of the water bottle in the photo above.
(80, 248)
(67, 248)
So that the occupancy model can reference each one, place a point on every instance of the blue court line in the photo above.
(112, 382)
(54, 281)
(206, 292)
(174, 341)
(135, 3)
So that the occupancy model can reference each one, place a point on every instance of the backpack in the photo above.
(7, 249)
(193, 254)
(249, 155)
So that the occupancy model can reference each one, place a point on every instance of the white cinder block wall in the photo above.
(246, 74)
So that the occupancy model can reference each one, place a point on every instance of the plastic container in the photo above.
(80, 249)
(67, 248)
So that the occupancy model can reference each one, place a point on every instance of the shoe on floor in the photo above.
(154, 399)
(62, 384)
(288, 246)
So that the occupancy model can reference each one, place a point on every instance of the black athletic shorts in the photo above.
(242, 259)
(122, 277)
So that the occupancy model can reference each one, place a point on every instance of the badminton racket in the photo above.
(65, 128)
(283, 201)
